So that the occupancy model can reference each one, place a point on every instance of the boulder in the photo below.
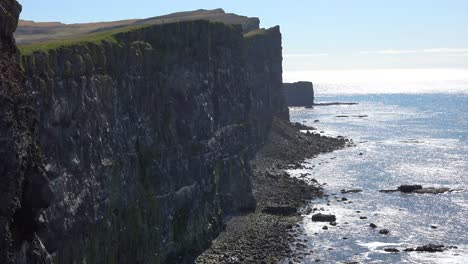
(323, 218)
(384, 231)
(409, 188)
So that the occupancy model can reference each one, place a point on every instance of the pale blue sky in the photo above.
(317, 34)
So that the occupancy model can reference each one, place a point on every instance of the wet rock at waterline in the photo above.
(323, 218)
(384, 231)
(351, 191)
(431, 248)
(409, 188)
(420, 189)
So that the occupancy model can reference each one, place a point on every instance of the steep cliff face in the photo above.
(148, 137)
(264, 72)
(24, 190)
(299, 93)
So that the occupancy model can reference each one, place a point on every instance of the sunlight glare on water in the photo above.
(404, 139)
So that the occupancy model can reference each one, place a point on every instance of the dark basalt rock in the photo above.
(391, 250)
(351, 191)
(323, 217)
(299, 94)
(409, 188)
(433, 190)
(384, 231)
(431, 248)
(388, 191)
(420, 190)
(25, 190)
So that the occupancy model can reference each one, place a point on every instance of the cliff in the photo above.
(24, 189)
(147, 134)
(299, 93)
(264, 71)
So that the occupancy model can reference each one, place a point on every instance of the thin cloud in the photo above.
(415, 51)
(303, 55)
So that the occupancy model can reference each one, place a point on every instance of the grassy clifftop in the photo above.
(29, 32)
(108, 35)
(96, 38)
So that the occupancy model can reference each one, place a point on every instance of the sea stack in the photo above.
(299, 93)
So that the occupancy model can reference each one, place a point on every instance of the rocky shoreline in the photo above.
(265, 236)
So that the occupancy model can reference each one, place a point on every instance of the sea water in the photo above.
(400, 138)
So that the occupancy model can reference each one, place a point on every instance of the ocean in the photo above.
(405, 132)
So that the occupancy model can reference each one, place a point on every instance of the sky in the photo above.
(317, 34)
